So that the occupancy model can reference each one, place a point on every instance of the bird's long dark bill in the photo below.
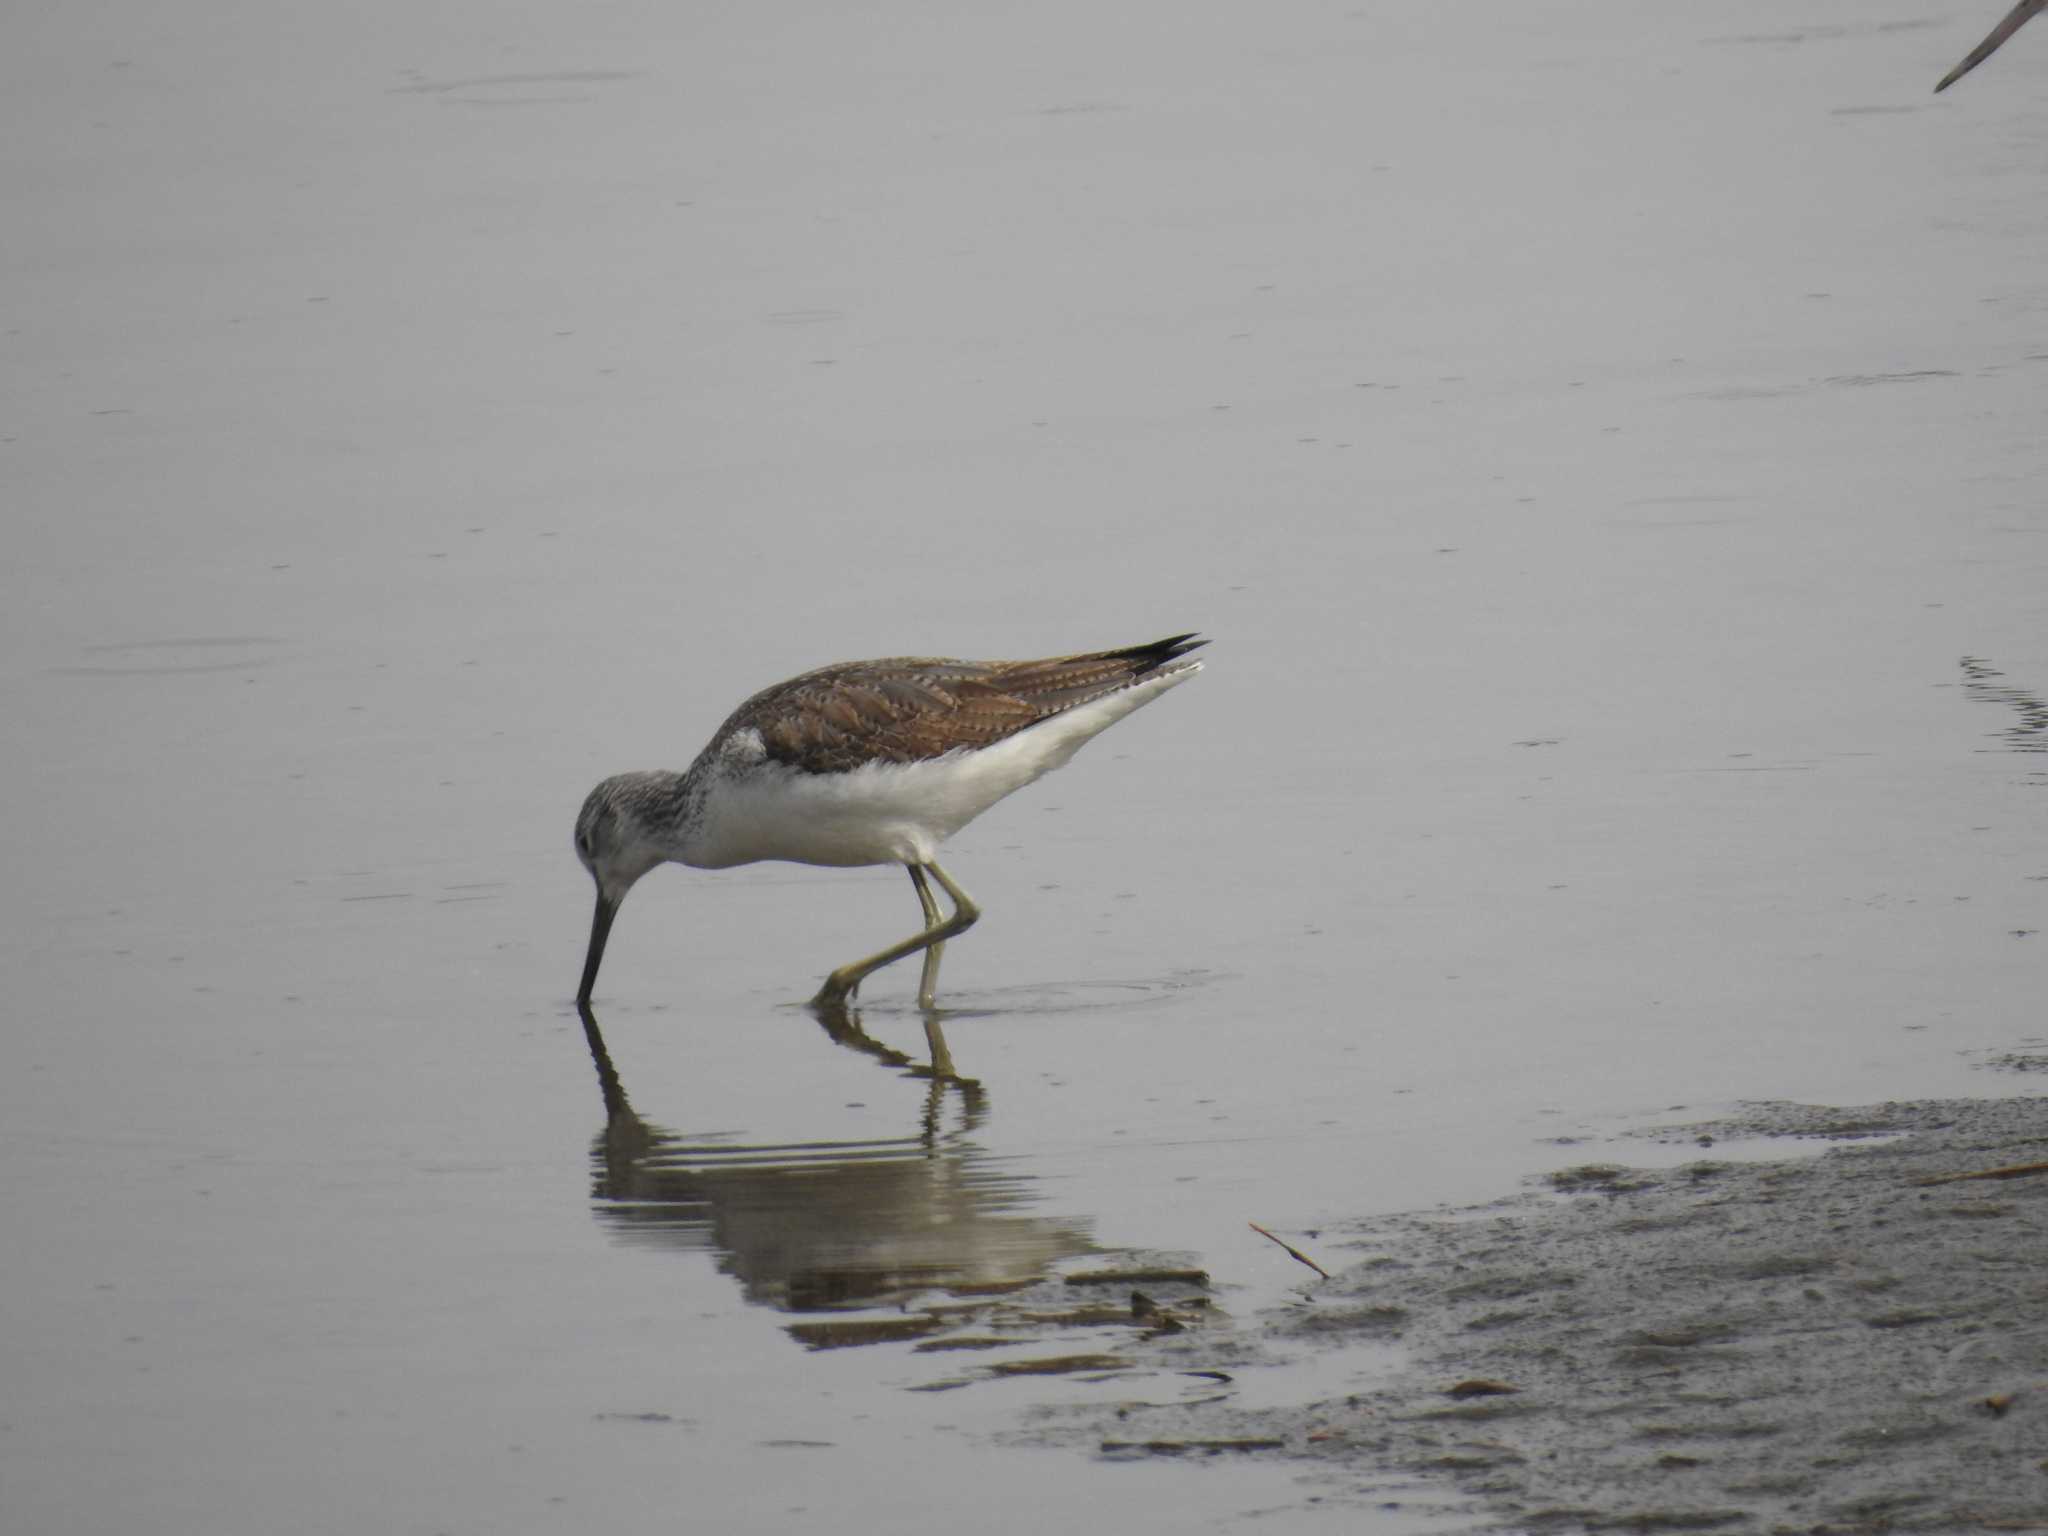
(600, 929)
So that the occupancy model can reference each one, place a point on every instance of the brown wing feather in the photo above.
(905, 709)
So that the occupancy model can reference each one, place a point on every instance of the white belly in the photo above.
(889, 813)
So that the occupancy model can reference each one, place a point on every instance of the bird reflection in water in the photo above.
(833, 1227)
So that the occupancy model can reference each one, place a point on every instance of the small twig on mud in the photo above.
(2016, 1171)
(1304, 1258)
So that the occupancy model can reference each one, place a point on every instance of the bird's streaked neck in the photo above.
(658, 813)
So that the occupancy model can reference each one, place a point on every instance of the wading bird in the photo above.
(866, 762)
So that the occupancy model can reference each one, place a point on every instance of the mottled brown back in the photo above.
(905, 709)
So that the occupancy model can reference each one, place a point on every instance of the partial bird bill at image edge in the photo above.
(2014, 19)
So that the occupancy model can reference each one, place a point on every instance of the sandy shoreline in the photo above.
(1817, 1344)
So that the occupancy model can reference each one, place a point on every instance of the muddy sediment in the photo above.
(1823, 1343)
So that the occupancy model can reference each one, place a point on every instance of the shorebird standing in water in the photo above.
(866, 762)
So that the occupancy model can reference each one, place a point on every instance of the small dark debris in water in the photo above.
(1677, 1462)
(849, 1332)
(639, 1418)
(1139, 1277)
(797, 1445)
(1479, 1386)
(1183, 1447)
(1998, 1404)
(963, 1341)
(1059, 1365)
(1224, 1376)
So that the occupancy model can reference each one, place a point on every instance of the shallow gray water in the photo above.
(1605, 445)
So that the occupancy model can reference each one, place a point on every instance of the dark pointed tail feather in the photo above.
(1158, 653)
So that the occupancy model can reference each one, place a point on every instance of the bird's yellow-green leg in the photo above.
(842, 983)
(928, 983)
(964, 914)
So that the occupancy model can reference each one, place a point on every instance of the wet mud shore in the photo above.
(1855, 1341)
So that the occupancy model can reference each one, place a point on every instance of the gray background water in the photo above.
(1594, 434)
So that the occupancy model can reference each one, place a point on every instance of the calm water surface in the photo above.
(1605, 447)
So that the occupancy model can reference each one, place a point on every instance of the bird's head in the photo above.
(617, 846)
